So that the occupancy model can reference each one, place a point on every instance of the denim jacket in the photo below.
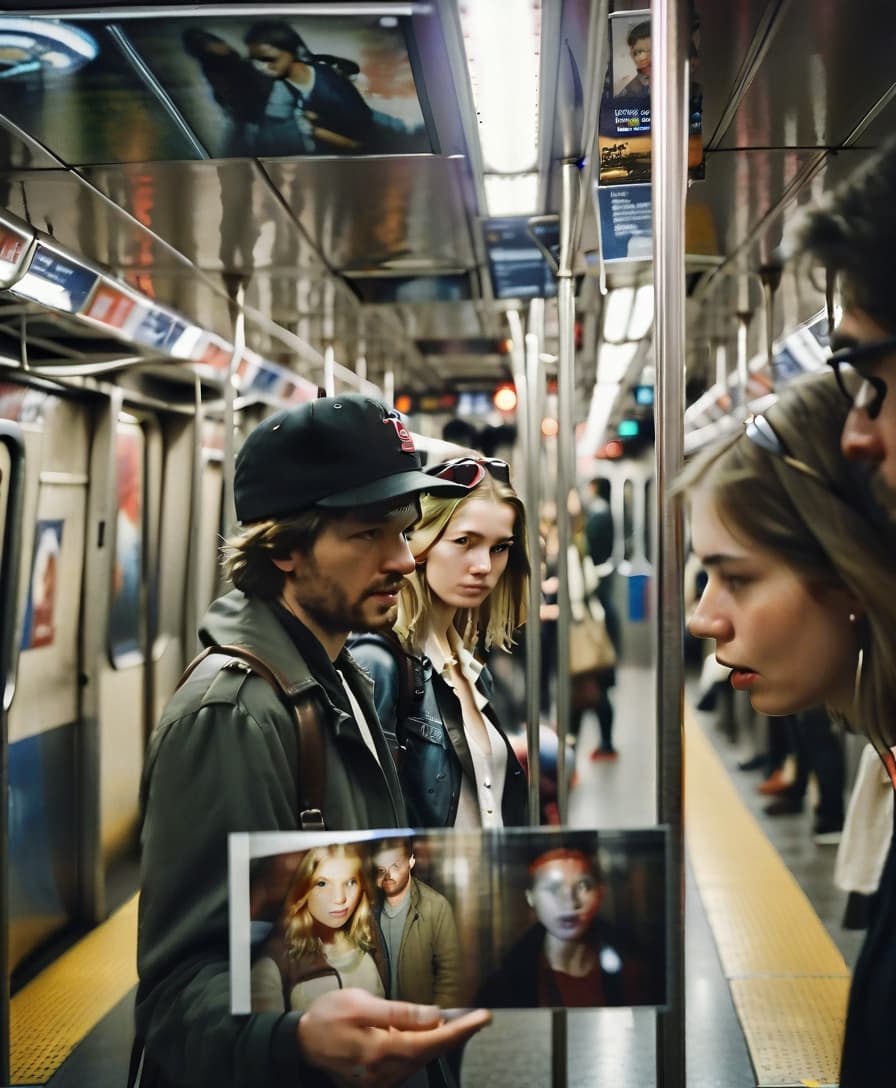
(433, 751)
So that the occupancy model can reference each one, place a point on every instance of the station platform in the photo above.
(767, 963)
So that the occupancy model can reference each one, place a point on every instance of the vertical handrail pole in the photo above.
(669, 179)
(229, 459)
(532, 448)
(566, 382)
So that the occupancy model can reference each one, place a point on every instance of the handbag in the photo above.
(590, 646)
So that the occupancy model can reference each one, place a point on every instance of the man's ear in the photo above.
(287, 564)
(530, 898)
(412, 861)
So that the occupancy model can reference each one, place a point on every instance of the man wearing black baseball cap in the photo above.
(325, 493)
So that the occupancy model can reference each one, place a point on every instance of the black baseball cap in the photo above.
(334, 452)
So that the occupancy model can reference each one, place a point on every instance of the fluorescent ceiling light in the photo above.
(502, 41)
(511, 195)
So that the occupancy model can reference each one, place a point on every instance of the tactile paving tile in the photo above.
(793, 1026)
(788, 980)
(53, 1013)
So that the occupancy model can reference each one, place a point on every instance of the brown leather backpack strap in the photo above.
(312, 761)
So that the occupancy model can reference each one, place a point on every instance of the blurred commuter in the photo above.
(852, 236)
(457, 766)
(818, 751)
(325, 492)
(801, 600)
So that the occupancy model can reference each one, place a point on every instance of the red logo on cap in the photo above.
(404, 435)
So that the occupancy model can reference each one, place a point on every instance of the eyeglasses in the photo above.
(470, 471)
(847, 365)
(761, 434)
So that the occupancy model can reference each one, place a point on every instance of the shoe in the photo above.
(784, 806)
(827, 832)
(775, 783)
(709, 698)
(828, 838)
(754, 764)
(602, 755)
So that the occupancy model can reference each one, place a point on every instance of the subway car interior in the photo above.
(515, 248)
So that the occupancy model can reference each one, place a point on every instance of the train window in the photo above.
(628, 520)
(126, 617)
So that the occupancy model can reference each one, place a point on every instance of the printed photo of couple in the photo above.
(541, 918)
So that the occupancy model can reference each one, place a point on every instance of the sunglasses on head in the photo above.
(470, 471)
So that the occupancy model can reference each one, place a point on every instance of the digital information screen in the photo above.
(13, 246)
(160, 330)
(518, 267)
(55, 281)
(111, 306)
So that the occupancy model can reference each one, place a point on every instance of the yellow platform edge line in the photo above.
(54, 1012)
(789, 982)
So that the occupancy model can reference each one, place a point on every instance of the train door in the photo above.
(122, 657)
(43, 719)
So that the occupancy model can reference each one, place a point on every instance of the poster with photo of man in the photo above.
(511, 918)
(625, 127)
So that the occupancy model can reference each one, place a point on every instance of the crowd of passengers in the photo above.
(343, 532)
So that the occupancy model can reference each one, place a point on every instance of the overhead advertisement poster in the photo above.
(188, 86)
(624, 137)
(310, 85)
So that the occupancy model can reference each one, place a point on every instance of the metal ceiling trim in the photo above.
(449, 17)
(763, 37)
(210, 10)
(156, 89)
(306, 352)
(598, 50)
(727, 267)
(40, 341)
(551, 21)
(879, 106)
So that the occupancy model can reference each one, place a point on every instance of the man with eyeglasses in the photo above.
(852, 235)
(418, 929)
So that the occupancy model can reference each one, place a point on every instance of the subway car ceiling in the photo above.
(123, 180)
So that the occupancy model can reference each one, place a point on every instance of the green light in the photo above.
(628, 428)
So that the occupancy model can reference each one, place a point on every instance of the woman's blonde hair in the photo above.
(503, 611)
(825, 527)
(299, 925)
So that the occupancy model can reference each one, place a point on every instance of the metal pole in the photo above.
(239, 343)
(669, 178)
(532, 447)
(566, 316)
(330, 371)
(529, 493)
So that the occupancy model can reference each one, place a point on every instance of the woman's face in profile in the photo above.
(565, 897)
(790, 644)
(335, 892)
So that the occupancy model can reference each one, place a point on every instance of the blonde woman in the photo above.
(467, 593)
(327, 938)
